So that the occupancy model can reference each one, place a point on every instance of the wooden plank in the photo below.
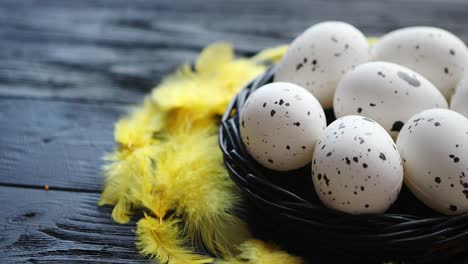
(117, 50)
(38, 226)
(55, 143)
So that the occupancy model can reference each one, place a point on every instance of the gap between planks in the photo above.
(49, 188)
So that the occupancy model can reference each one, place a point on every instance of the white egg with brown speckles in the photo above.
(318, 58)
(459, 102)
(356, 167)
(434, 147)
(386, 92)
(435, 53)
(280, 123)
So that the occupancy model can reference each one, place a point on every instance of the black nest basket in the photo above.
(284, 208)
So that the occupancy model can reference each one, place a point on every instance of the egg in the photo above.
(459, 102)
(318, 58)
(387, 93)
(434, 147)
(435, 53)
(356, 166)
(280, 123)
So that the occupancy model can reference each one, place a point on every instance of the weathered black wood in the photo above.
(55, 143)
(68, 69)
(38, 226)
(118, 49)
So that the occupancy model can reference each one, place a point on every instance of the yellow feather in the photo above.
(169, 162)
(183, 121)
(221, 235)
(136, 129)
(372, 40)
(191, 179)
(160, 240)
(123, 170)
(207, 91)
(114, 178)
(215, 55)
(271, 55)
(258, 252)
(154, 188)
(122, 211)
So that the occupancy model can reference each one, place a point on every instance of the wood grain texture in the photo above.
(38, 226)
(69, 69)
(117, 49)
(55, 143)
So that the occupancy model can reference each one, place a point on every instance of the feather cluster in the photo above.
(168, 167)
(257, 252)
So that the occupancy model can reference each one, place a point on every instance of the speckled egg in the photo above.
(356, 166)
(434, 147)
(435, 53)
(280, 124)
(459, 102)
(387, 93)
(318, 58)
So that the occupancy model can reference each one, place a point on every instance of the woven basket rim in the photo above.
(408, 234)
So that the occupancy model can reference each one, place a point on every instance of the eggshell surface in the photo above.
(435, 53)
(387, 93)
(459, 102)
(320, 56)
(434, 148)
(280, 124)
(356, 167)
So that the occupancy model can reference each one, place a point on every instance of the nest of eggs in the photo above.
(285, 210)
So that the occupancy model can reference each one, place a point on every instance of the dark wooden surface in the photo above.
(69, 69)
